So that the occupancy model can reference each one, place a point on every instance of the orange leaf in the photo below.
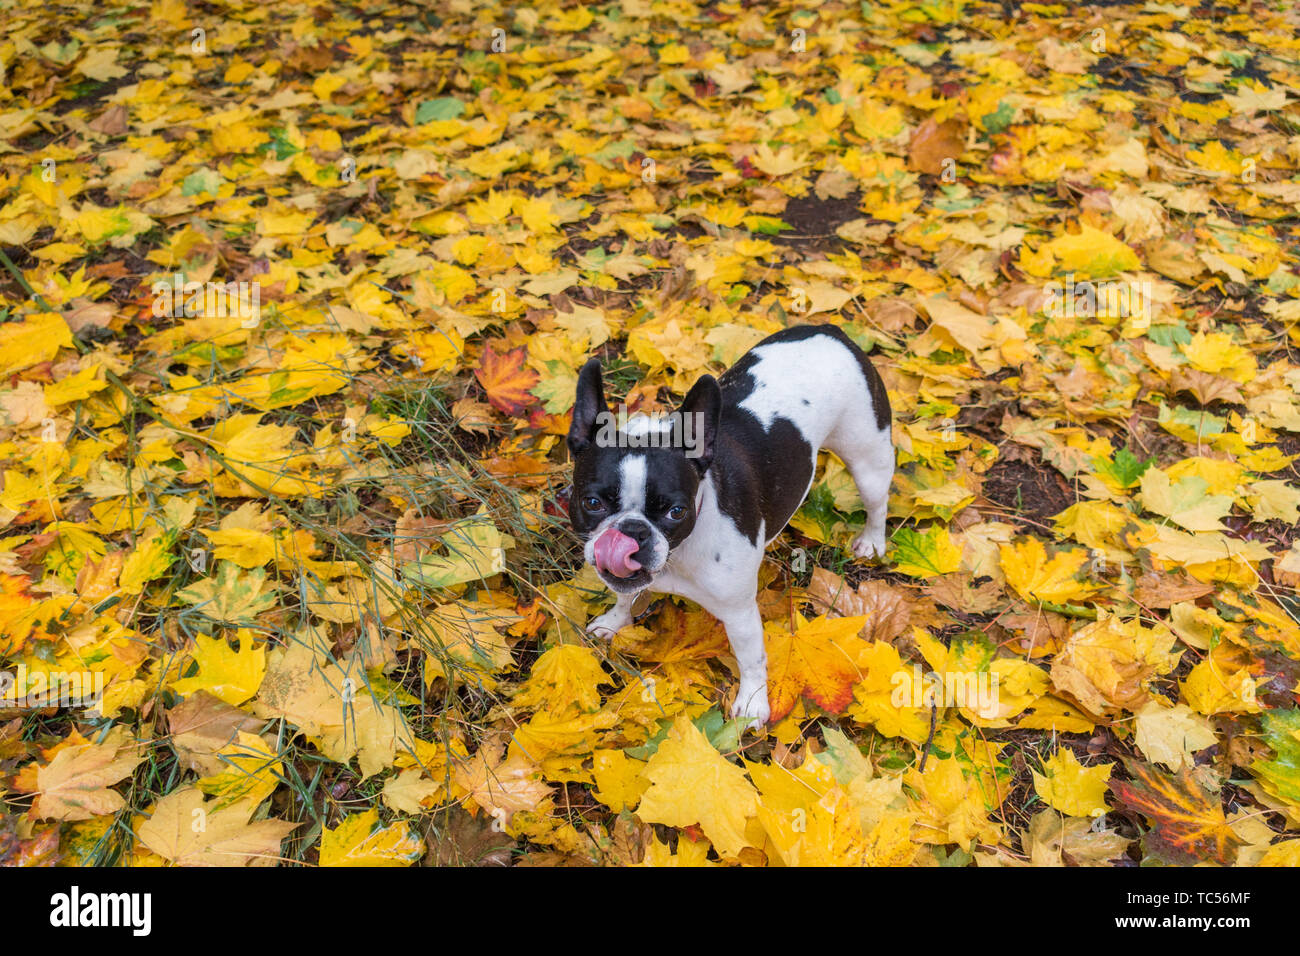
(15, 624)
(97, 580)
(932, 143)
(817, 661)
(677, 635)
(1187, 824)
(507, 380)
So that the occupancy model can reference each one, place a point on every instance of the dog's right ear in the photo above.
(588, 405)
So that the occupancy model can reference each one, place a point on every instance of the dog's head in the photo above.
(635, 481)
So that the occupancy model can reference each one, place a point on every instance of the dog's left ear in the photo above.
(700, 412)
(588, 404)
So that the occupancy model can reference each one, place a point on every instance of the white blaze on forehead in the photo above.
(632, 479)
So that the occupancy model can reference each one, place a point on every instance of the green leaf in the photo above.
(1281, 775)
(997, 121)
(557, 387)
(621, 149)
(443, 108)
(766, 225)
(1188, 424)
(925, 555)
(202, 180)
(231, 595)
(475, 550)
(843, 756)
(1125, 469)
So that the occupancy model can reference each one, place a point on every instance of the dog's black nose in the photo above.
(638, 531)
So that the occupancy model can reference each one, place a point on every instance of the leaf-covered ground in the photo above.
(320, 560)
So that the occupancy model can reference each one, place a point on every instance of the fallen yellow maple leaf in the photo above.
(1071, 787)
(691, 783)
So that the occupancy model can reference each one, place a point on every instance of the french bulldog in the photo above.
(687, 503)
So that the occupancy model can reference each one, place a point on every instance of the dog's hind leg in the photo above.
(868, 452)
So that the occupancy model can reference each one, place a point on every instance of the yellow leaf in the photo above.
(361, 840)
(230, 675)
(817, 661)
(1217, 353)
(1072, 788)
(148, 560)
(620, 782)
(950, 807)
(691, 783)
(1037, 579)
(1222, 683)
(34, 340)
(244, 537)
(75, 388)
(186, 830)
(252, 771)
(410, 792)
(1092, 254)
(1172, 735)
(889, 695)
(1274, 500)
(563, 682)
(1187, 503)
(1106, 665)
(690, 853)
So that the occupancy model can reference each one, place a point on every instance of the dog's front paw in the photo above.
(608, 624)
(751, 703)
(869, 544)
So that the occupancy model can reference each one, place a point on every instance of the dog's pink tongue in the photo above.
(613, 551)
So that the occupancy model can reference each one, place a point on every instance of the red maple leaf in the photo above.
(507, 380)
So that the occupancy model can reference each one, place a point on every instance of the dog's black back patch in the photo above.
(760, 476)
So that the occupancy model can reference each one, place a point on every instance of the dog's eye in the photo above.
(677, 512)
(592, 503)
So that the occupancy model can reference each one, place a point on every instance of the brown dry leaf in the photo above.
(888, 609)
(1043, 632)
(472, 416)
(201, 725)
(501, 787)
(1174, 259)
(111, 122)
(1206, 387)
(835, 184)
(414, 535)
(83, 314)
(892, 315)
(959, 592)
(1157, 589)
(934, 143)
(461, 839)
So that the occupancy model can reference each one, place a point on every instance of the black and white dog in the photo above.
(686, 504)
